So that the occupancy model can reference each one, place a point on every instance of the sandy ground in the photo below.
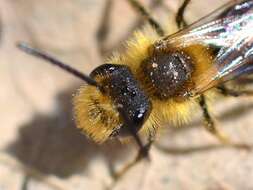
(40, 147)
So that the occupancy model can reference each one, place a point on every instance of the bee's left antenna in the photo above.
(37, 53)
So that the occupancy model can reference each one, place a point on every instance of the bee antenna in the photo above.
(37, 53)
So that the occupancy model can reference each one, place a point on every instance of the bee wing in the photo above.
(232, 8)
(232, 35)
(231, 62)
(220, 33)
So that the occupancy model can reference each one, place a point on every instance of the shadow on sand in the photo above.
(53, 145)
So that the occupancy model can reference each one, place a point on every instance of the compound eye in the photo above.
(133, 121)
(139, 116)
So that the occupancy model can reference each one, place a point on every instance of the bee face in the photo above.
(121, 102)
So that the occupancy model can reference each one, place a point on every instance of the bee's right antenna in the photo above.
(37, 53)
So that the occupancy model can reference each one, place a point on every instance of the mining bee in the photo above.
(162, 78)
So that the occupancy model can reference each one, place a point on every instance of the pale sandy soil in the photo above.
(41, 148)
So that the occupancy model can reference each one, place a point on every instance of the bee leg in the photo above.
(142, 154)
(181, 23)
(144, 149)
(103, 29)
(230, 92)
(209, 122)
(210, 126)
(145, 13)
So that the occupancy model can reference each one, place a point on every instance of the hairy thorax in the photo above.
(167, 73)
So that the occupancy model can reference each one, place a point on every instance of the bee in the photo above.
(162, 78)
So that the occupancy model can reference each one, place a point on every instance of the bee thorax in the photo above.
(167, 73)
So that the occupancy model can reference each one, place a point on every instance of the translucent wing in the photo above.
(231, 32)
(232, 8)
(231, 62)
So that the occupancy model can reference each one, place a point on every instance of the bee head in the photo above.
(111, 104)
(116, 108)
